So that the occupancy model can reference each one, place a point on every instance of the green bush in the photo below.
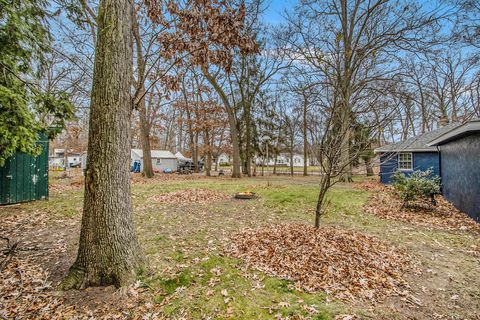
(420, 185)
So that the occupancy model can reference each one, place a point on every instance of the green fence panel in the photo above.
(24, 177)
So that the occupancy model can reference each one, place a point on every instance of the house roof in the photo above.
(458, 132)
(180, 156)
(162, 154)
(418, 143)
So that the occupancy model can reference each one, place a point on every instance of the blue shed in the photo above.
(460, 166)
(411, 154)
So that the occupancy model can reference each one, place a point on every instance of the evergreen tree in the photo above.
(25, 111)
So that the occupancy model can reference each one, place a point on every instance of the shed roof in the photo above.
(418, 143)
(180, 156)
(463, 130)
(162, 154)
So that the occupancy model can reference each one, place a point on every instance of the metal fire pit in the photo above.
(245, 195)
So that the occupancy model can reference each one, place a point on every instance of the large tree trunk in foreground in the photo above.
(109, 253)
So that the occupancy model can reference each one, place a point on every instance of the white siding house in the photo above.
(223, 159)
(161, 159)
(283, 159)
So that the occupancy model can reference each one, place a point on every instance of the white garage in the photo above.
(161, 160)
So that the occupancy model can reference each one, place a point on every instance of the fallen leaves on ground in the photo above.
(137, 178)
(387, 205)
(343, 263)
(190, 196)
(25, 291)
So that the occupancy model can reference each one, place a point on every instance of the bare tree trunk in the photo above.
(140, 104)
(291, 162)
(236, 164)
(195, 154)
(236, 151)
(65, 156)
(368, 166)
(305, 152)
(208, 163)
(345, 81)
(324, 186)
(248, 137)
(109, 252)
(145, 139)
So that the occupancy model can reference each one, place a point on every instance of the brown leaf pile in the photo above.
(190, 196)
(345, 264)
(387, 205)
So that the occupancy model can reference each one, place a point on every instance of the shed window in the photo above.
(159, 161)
(405, 161)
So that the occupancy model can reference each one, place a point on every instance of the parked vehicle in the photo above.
(188, 167)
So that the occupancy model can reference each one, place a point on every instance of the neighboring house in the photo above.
(161, 159)
(58, 153)
(411, 154)
(57, 160)
(283, 159)
(84, 161)
(181, 157)
(74, 160)
(223, 159)
(460, 166)
(56, 163)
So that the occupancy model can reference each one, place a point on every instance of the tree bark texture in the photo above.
(109, 252)
(145, 139)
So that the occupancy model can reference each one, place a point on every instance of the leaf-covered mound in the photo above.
(387, 205)
(343, 263)
(190, 196)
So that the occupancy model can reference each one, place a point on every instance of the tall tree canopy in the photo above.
(25, 110)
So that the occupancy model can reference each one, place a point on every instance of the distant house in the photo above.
(74, 160)
(223, 159)
(57, 159)
(411, 154)
(460, 166)
(283, 159)
(84, 160)
(181, 157)
(161, 159)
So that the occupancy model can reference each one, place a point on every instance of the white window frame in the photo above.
(405, 161)
(158, 161)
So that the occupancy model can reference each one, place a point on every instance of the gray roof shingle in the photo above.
(418, 143)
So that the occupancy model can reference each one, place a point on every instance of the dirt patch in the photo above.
(343, 263)
(190, 196)
(387, 205)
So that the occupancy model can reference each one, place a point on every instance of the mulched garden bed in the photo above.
(345, 264)
(189, 196)
(384, 203)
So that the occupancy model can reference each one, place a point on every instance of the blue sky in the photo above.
(275, 10)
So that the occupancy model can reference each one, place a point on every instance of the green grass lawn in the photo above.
(189, 276)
